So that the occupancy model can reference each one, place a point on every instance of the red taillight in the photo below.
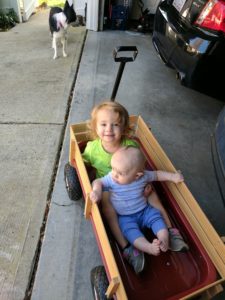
(212, 15)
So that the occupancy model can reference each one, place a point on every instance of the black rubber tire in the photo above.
(99, 283)
(72, 182)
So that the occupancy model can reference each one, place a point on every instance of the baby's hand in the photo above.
(177, 177)
(94, 196)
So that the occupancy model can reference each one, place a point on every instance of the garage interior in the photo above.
(135, 15)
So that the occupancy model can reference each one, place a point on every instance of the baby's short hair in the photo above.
(137, 157)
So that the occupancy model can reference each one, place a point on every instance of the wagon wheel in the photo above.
(72, 182)
(99, 283)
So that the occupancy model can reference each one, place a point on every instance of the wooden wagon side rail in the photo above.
(92, 213)
(189, 206)
(115, 282)
(208, 291)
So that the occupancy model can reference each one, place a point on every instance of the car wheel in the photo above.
(99, 283)
(72, 183)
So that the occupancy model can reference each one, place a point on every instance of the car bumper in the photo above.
(186, 49)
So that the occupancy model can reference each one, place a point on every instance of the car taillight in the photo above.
(212, 15)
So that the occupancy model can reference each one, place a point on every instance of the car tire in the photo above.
(72, 182)
(99, 283)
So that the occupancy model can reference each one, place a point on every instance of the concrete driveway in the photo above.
(34, 97)
(181, 119)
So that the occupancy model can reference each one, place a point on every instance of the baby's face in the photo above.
(122, 173)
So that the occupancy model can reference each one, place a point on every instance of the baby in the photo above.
(126, 183)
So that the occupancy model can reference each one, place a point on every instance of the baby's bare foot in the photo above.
(154, 248)
(163, 246)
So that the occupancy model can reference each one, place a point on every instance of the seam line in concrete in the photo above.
(51, 187)
(29, 123)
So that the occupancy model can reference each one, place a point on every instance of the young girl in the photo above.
(110, 128)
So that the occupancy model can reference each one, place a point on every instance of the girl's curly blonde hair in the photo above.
(123, 116)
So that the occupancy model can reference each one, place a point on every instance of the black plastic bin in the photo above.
(119, 16)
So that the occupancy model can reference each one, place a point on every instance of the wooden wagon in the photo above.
(200, 272)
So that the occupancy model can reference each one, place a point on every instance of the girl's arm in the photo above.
(96, 193)
(169, 176)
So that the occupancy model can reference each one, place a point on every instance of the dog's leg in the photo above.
(54, 46)
(64, 46)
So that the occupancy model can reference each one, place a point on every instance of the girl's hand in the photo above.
(148, 190)
(95, 196)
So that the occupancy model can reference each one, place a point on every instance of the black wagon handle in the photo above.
(125, 49)
(123, 60)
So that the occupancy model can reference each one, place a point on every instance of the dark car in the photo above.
(189, 36)
(218, 151)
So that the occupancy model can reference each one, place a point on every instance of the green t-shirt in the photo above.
(95, 155)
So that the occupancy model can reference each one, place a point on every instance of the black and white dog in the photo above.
(59, 19)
